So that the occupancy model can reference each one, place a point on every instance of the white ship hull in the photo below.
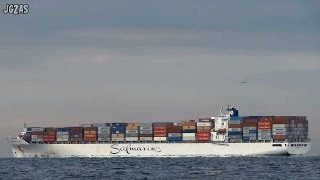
(22, 149)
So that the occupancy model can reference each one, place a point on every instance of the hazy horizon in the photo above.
(70, 63)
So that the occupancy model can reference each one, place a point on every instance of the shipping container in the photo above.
(132, 138)
(160, 138)
(145, 138)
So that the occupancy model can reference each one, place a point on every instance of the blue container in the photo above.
(63, 129)
(174, 138)
(236, 118)
(246, 138)
(189, 131)
(76, 135)
(234, 133)
(253, 131)
(146, 132)
(118, 124)
(117, 131)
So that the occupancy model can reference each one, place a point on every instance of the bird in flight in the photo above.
(243, 82)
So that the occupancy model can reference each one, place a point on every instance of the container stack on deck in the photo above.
(132, 132)
(90, 134)
(117, 132)
(249, 127)
(264, 128)
(103, 132)
(203, 129)
(49, 135)
(240, 129)
(174, 132)
(160, 131)
(63, 134)
(37, 135)
(76, 134)
(146, 131)
(189, 130)
(235, 129)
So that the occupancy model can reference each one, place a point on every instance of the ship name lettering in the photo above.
(115, 149)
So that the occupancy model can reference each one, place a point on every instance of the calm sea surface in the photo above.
(162, 168)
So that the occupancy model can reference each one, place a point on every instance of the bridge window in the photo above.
(277, 145)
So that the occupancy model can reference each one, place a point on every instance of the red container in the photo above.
(264, 123)
(174, 127)
(90, 139)
(266, 118)
(250, 125)
(159, 131)
(203, 138)
(160, 134)
(234, 125)
(90, 128)
(203, 131)
(203, 134)
(174, 130)
(160, 127)
(281, 120)
(250, 120)
(189, 123)
(37, 133)
(280, 137)
(76, 129)
(49, 138)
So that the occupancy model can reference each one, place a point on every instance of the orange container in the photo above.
(234, 125)
(160, 134)
(160, 127)
(189, 123)
(203, 131)
(159, 131)
(280, 137)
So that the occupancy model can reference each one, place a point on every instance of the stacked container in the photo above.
(249, 129)
(145, 132)
(203, 129)
(160, 131)
(235, 129)
(132, 132)
(49, 135)
(104, 133)
(117, 131)
(264, 128)
(62, 134)
(296, 128)
(37, 135)
(76, 134)
(90, 134)
(174, 132)
(189, 130)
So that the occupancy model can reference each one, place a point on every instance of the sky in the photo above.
(71, 62)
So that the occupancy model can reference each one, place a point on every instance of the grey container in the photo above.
(235, 137)
(132, 131)
(132, 135)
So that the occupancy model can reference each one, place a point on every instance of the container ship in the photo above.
(227, 134)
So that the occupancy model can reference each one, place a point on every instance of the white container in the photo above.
(202, 124)
(160, 138)
(37, 129)
(279, 129)
(253, 128)
(189, 138)
(246, 131)
(234, 129)
(146, 138)
(279, 125)
(188, 135)
(132, 139)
